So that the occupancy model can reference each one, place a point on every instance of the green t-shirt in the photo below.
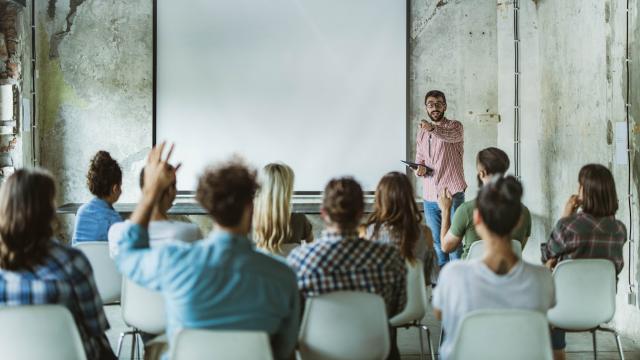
(462, 226)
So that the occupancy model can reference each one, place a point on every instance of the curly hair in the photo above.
(225, 190)
(104, 173)
(27, 212)
(344, 202)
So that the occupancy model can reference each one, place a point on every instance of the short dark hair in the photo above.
(343, 201)
(104, 173)
(599, 197)
(499, 204)
(436, 94)
(493, 160)
(225, 190)
(26, 218)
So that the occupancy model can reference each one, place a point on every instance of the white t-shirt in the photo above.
(468, 285)
(160, 233)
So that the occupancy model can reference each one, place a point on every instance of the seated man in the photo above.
(161, 229)
(340, 261)
(489, 163)
(500, 280)
(220, 282)
(36, 269)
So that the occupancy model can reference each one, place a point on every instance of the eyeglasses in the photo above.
(432, 105)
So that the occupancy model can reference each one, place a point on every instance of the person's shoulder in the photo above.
(455, 270)
(454, 122)
(273, 267)
(467, 206)
(69, 256)
(540, 272)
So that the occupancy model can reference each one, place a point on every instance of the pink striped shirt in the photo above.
(442, 150)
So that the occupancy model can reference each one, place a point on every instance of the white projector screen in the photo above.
(317, 84)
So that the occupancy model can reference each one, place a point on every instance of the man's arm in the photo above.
(448, 241)
(450, 134)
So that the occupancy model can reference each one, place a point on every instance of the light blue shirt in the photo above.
(220, 282)
(93, 221)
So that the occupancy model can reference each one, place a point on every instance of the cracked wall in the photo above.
(94, 63)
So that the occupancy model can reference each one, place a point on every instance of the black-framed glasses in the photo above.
(433, 105)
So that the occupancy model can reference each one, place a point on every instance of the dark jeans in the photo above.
(433, 217)
(558, 341)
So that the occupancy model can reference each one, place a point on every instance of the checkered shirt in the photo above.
(343, 262)
(66, 278)
(581, 236)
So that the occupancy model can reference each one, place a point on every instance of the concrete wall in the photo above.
(572, 93)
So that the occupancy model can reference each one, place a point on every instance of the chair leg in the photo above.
(122, 335)
(134, 343)
(421, 343)
(431, 349)
(595, 345)
(618, 342)
(140, 346)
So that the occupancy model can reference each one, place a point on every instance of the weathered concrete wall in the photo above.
(94, 62)
(572, 92)
(453, 48)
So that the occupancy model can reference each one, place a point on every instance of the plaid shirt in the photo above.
(343, 262)
(581, 236)
(66, 278)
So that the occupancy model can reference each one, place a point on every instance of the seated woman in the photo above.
(592, 232)
(500, 280)
(275, 228)
(94, 218)
(37, 269)
(396, 220)
(161, 229)
(489, 163)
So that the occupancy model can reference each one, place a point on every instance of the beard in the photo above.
(439, 116)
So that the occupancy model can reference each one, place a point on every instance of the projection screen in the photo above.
(317, 84)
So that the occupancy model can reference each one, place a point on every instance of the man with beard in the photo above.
(439, 148)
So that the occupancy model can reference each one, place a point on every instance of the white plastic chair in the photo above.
(344, 325)
(503, 334)
(585, 297)
(416, 306)
(33, 332)
(105, 272)
(476, 251)
(192, 344)
(143, 310)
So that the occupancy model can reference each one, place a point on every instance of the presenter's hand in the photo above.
(445, 200)
(571, 206)
(421, 170)
(424, 124)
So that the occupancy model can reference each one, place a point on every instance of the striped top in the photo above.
(442, 150)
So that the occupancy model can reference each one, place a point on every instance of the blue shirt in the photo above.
(93, 221)
(220, 282)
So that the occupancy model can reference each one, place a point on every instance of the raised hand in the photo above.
(158, 173)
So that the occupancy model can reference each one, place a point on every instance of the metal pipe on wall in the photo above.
(516, 95)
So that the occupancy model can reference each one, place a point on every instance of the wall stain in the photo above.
(59, 36)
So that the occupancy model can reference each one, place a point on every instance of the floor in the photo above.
(578, 345)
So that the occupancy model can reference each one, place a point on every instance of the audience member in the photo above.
(37, 269)
(396, 220)
(489, 162)
(592, 233)
(94, 218)
(341, 261)
(161, 229)
(275, 228)
(220, 282)
(500, 280)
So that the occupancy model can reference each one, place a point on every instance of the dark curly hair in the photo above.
(104, 173)
(27, 212)
(343, 202)
(499, 204)
(225, 190)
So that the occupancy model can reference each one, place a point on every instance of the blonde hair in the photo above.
(271, 214)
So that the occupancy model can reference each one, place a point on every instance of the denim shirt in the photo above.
(220, 282)
(93, 221)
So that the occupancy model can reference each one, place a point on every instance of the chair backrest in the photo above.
(585, 293)
(344, 325)
(32, 332)
(476, 251)
(192, 344)
(503, 334)
(105, 272)
(416, 296)
(142, 308)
